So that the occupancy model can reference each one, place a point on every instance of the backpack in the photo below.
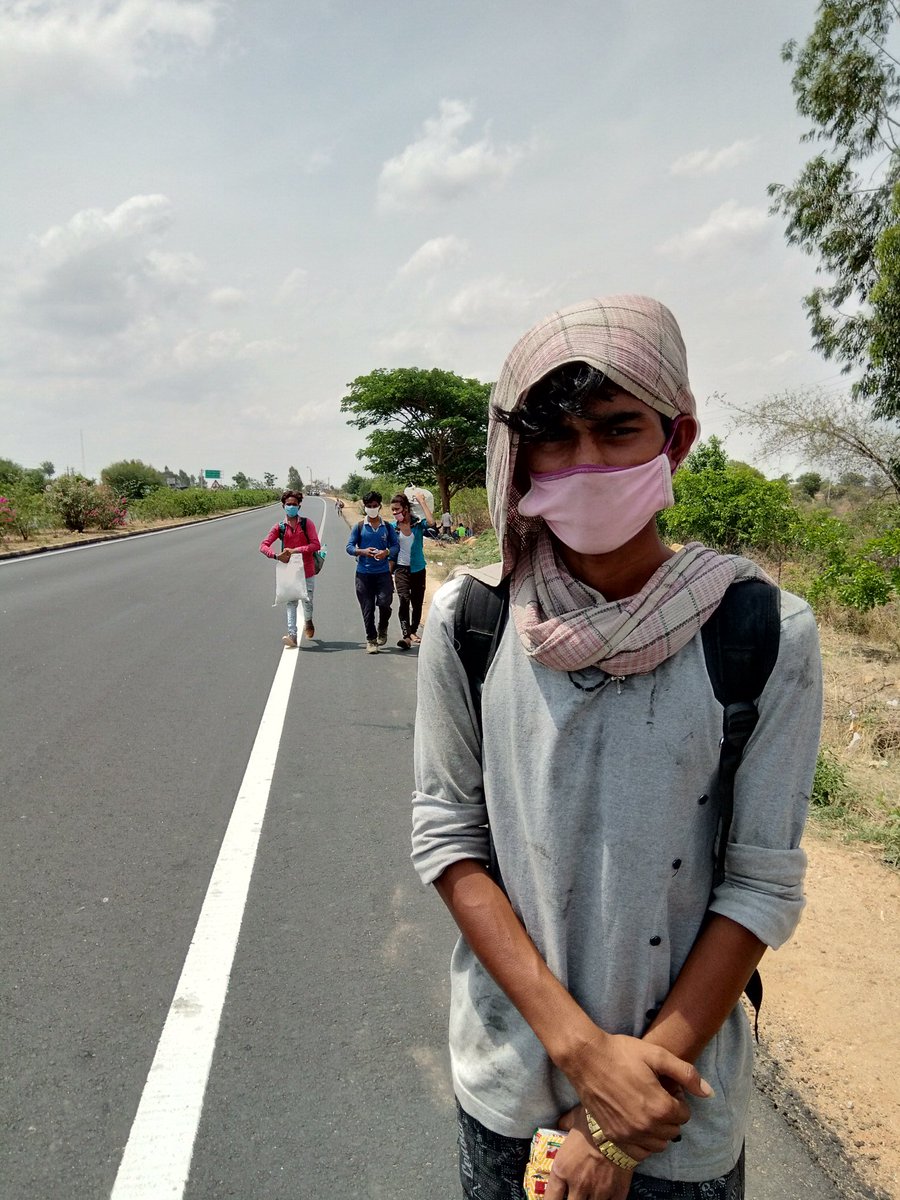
(318, 555)
(740, 645)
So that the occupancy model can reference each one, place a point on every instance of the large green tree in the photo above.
(427, 426)
(844, 207)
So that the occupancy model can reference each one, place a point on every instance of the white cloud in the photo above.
(89, 45)
(294, 284)
(709, 162)
(431, 256)
(100, 273)
(438, 167)
(227, 297)
(491, 300)
(727, 225)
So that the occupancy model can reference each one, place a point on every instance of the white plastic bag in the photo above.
(417, 510)
(290, 580)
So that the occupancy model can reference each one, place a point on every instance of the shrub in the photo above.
(22, 511)
(72, 497)
(132, 478)
(472, 504)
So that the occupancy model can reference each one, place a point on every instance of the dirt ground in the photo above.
(829, 1056)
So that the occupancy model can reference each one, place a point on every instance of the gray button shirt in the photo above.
(599, 803)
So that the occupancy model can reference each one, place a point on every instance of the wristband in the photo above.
(608, 1148)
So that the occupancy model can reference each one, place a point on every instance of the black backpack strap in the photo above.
(302, 521)
(478, 624)
(740, 643)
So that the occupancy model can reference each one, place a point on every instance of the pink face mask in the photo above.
(594, 510)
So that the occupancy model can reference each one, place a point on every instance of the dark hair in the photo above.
(372, 498)
(402, 499)
(570, 390)
(298, 496)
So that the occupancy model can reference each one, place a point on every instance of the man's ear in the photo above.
(683, 437)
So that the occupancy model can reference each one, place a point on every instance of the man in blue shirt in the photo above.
(371, 543)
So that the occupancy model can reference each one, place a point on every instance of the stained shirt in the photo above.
(598, 794)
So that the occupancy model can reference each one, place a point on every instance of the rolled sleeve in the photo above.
(763, 891)
(445, 831)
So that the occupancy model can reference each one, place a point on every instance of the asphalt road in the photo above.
(135, 675)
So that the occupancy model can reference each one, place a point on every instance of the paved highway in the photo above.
(169, 777)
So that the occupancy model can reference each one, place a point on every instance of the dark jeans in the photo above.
(410, 587)
(492, 1167)
(372, 589)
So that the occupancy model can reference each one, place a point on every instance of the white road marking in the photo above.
(157, 1158)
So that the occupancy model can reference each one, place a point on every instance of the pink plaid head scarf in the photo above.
(635, 341)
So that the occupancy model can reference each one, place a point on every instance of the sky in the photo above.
(218, 213)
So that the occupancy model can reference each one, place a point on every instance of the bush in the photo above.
(169, 504)
(22, 511)
(472, 504)
(72, 497)
(132, 478)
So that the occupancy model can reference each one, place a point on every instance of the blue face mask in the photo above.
(292, 510)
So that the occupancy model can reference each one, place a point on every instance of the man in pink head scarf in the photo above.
(595, 987)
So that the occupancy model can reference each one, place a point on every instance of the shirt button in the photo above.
(650, 1014)
(655, 941)
(703, 799)
(676, 864)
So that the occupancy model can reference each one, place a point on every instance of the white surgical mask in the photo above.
(372, 512)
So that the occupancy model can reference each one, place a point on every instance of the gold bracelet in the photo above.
(608, 1148)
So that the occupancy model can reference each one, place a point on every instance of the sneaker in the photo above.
(309, 629)
(382, 637)
(372, 647)
(404, 643)
(415, 639)
(290, 642)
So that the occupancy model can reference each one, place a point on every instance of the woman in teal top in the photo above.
(409, 564)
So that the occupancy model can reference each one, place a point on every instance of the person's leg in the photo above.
(417, 595)
(384, 598)
(365, 594)
(401, 583)
(310, 629)
(491, 1167)
(726, 1187)
(290, 610)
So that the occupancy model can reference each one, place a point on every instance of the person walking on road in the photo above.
(569, 830)
(297, 535)
(409, 564)
(371, 543)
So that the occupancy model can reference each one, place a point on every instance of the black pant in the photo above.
(375, 588)
(410, 587)
(492, 1167)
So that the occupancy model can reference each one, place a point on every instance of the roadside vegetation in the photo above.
(38, 508)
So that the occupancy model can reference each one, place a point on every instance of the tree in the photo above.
(47, 467)
(709, 456)
(427, 425)
(269, 479)
(810, 483)
(847, 83)
(132, 478)
(240, 480)
(824, 429)
(293, 479)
